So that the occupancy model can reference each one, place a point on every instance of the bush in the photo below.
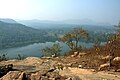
(3, 57)
(20, 57)
(54, 50)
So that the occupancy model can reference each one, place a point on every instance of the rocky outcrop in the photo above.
(18, 75)
(32, 60)
(36, 67)
(5, 69)
(13, 75)
(33, 68)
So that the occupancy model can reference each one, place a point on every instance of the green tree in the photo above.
(54, 50)
(73, 37)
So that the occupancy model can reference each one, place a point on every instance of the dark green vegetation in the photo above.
(14, 35)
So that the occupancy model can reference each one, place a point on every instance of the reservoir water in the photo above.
(35, 49)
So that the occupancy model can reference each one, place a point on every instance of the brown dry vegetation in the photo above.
(92, 58)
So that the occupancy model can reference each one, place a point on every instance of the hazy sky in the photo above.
(97, 10)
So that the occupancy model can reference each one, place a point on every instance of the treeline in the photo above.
(99, 35)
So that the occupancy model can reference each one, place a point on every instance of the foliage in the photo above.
(3, 57)
(73, 37)
(54, 50)
(20, 57)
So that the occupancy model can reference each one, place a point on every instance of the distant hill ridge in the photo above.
(7, 20)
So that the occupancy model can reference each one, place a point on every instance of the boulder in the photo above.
(80, 66)
(106, 58)
(35, 76)
(104, 67)
(23, 76)
(76, 53)
(32, 60)
(53, 75)
(82, 54)
(116, 61)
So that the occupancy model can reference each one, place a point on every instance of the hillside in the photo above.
(16, 34)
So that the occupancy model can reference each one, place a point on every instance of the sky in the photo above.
(96, 10)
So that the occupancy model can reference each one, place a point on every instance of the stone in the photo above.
(80, 66)
(12, 75)
(53, 75)
(104, 66)
(32, 60)
(35, 76)
(106, 58)
(116, 60)
(44, 78)
(23, 76)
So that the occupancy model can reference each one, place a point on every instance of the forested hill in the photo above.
(12, 35)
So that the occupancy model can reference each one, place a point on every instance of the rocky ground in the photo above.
(73, 67)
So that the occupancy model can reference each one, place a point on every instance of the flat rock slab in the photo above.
(24, 68)
(86, 74)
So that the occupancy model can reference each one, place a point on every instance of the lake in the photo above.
(35, 49)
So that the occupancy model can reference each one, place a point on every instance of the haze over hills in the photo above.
(52, 24)
(46, 24)
(7, 20)
(43, 24)
(88, 24)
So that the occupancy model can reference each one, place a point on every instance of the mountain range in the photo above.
(87, 24)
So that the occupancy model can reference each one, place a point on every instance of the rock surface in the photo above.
(33, 68)
(12, 75)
